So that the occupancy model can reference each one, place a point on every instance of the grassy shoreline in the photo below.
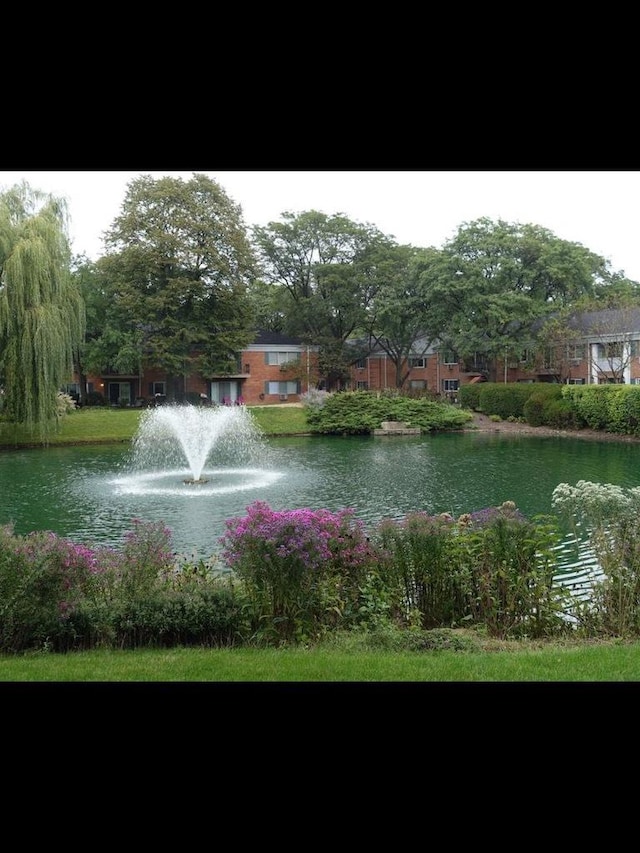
(97, 425)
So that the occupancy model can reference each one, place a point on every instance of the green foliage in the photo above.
(492, 568)
(177, 276)
(609, 517)
(630, 410)
(396, 639)
(208, 615)
(592, 403)
(469, 396)
(506, 399)
(56, 595)
(498, 278)
(302, 570)
(361, 412)
(424, 568)
(405, 320)
(513, 567)
(536, 406)
(559, 414)
(327, 269)
(42, 579)
(42, 318)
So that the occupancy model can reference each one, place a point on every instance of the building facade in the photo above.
(273, 369)
(597, 348)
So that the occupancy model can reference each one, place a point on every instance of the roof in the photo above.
(264, 338)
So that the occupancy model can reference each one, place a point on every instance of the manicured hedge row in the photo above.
(610, 408)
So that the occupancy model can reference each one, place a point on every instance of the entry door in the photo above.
(120, 393)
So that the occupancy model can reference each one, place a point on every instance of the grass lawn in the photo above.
(97, 425)
(593, 662)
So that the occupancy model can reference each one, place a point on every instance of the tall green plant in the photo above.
(424, 569)
(492, 567)
(513, 566)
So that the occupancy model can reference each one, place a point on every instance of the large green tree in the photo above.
(499, 277)
(177, 271)
(41, 309)
(404, 320)
(328, 269)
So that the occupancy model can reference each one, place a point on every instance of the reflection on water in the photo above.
(90, 494)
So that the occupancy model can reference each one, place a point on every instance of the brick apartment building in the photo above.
(602, 347)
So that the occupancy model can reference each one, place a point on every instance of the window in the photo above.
(418, 384)
(362, 386)
(448, 357)
(156, 388)
(360, 364)
(634, 348)
(281, 357)
(576, 382)
(576, 352)
(417, 362)
(280, 388)
(613, 349)
(449, 386)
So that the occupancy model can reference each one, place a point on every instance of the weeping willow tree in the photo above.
(42, 315)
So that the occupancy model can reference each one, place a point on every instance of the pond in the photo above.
(92, 494)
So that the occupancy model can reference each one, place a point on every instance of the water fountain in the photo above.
(196, 450)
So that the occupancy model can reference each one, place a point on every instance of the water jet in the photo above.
(221, 447)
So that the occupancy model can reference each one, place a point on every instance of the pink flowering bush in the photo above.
(303, 570)
(57, 594)
(42, 579)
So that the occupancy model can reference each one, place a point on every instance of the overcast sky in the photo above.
(598, 209)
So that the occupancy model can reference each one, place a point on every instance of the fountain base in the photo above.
(192, 482)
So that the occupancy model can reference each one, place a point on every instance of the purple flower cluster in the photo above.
(47, 547)
(309, 538)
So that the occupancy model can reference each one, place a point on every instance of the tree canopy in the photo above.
(177, 271)
(498, 278)
(328, 268)
(402, 320)
(42, 317)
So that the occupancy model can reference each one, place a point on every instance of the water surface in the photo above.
(92, 494)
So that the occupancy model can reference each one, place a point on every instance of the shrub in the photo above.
(559, 414)
(42, 580)
(535, 409)
(95, 398)
(469, 395)
(504, 399)
(513, 566)
(361, 412)
(314, 398)
(210, 617)
(302, 570)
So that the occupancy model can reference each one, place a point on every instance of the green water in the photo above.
(92, 495)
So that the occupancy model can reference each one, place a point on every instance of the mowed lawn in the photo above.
(97, 425)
